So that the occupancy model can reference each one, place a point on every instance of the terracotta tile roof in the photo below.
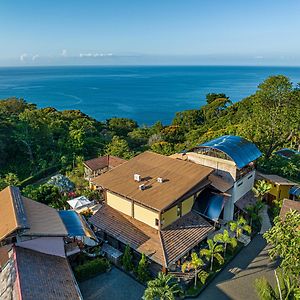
(183, 235)
(179, 178)
(12, 214)
(274, 178)
(163, 247)
(44, 276)
(289, 205)
(103, 162)
(43, 220)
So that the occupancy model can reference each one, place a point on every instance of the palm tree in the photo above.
(261, 188)
(239, 226)
(213, 252)
(162, 288)
(254, 212)
(225, 238)
(195, 264)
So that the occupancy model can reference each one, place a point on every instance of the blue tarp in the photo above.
(72, 223)
(295, 190)
(212, 206)
(241, 151)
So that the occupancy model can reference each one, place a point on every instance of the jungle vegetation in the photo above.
(34, 140)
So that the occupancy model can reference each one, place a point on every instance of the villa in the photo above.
(148, 206)
(96, 166)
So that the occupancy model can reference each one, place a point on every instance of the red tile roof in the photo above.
(163, 247)
(107, 161)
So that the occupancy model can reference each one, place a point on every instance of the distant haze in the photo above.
(140, 32)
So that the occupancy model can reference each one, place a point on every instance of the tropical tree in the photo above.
(119, 147)
(239, 226)
(213, 252)
(163, 287)
(253, 212)
(225, 238)
(195, 264)
(284, 238)
(261, 188)
(142, 272)
(285, 288)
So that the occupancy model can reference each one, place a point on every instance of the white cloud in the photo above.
(64, 52)
(23, 56)
(95, 54)
(34, 57)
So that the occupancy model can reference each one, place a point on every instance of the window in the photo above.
(156, 222)
(179, 208)
(240, 183)
(250, 176)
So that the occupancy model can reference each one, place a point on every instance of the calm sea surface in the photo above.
(146, 94)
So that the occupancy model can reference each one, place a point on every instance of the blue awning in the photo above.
(295, 190)
(240, 150)
(212, 206)
(75, 224)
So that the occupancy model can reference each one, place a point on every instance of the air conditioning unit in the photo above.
(137, 177)
(160, 180)
(142, 187)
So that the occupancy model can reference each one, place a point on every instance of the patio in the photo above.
(113, 285)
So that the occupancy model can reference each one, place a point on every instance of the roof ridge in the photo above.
(163, 248)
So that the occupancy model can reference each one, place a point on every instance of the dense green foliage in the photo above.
(142, 271)
(33, 140)
(91, 268)
(284, 237)
(164, 287)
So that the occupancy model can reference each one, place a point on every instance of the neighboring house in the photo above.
(287, 153)
(149, 205)
(232, 158)
(288, 206)
(99, 165)
(281, 187)
(33, 250)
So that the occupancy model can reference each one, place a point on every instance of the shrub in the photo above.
(91, 268)
(127, 259)
(142, 271)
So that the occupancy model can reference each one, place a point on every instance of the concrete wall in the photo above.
(225, 168)
(119, 203)
(145, 215)
(243, 186)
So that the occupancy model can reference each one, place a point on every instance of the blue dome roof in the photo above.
(240, 150)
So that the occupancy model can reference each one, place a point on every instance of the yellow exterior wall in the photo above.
(279, 191)
(145, 215)
(119, 203)
(187, 205)
(169, 216)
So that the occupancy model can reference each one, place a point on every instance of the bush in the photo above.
(127, 259)
(142, 271)
(91, 268)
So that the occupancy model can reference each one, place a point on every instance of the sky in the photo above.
(116, 32)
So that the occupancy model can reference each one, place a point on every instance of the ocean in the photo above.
(144, 93)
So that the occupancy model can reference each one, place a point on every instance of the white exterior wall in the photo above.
(240, 188)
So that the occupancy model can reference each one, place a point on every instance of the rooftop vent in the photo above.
(137, 177)
(142, 187)
(160, 180)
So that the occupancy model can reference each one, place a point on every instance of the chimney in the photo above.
(160, 180)
(137, 177)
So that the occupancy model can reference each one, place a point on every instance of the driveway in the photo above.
(236, 281)
(114, 285)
